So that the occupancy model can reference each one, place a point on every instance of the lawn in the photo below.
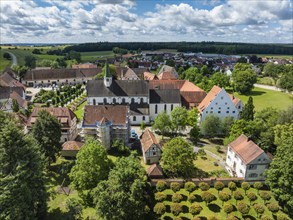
(4, 62)
(93, 56)
(79, 110)
(207, 164)
(215, 207)
(263, 98)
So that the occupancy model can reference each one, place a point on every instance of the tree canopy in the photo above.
(243, 78)
(179, 118)
(248, 111)
(177, 158)
(162, 123)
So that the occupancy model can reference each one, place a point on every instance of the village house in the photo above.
(71, 148)
(155, 171)
(106, 123)
(246, 159)
(43, 77)
(84, 66)
(8, 94)
(65, 116)
(168, 72)
(218, 102)
(151, 149)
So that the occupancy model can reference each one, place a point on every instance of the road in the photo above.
(14, 59)
(274, 88)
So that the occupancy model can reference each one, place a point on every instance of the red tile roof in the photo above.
(147, 139)
(155, 170)
(246, 149)
(72, 145)
(149, 76)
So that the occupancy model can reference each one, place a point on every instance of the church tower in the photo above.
(107, 75)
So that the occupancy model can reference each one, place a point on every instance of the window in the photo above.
(229, 149)
(156, 109)
(132, 100)
(114, 100)
(216, 103)
(239, 107)
(48, 81)
(252, 175)
(264, 159)
(228, 107)
(227, 112)
(134, 118)
(141, 100)
(233, 112)
(123, 100)
(212, 108)
(229, 157)
(219, 112)
(65, 139)
(154, 153)
(219, 107)
(165, 107)
(252, 167)
(94, 101)
(211, 112)
(222, 97)
(240, 171)
(225, 103)
(259, 159)
(143, 118)
(171, 107)
(207, 112)
(236, 156)
(105, 101)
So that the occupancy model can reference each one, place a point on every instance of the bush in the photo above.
(245, 186)
(259, 208)
(159, 196)
(212, 218)
(243, 208)
(228, 208)
(273, 207)
(195, 208)
(282, 217)
(178, 218)
(74, 208)
(232, 218)
(161, 185)
(189, 186)
(175, 186)
(204, 186)
(258, 185)
(238, 195)
(160, 208)
(176, 208)
(224, 197)
(265, 217)
(196, 218)
(232, 186)
(177, 197)
(251, 196)
(207, 197)
(219, 185)
(266, 196)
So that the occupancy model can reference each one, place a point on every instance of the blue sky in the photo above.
(72, 21)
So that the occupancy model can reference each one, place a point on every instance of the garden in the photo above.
(235, 201)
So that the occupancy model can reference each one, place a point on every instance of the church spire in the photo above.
(107, 75)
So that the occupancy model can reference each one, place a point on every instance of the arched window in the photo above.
(141, 100)
(156, 109)
(114, 100)
(94, 101)
(123, 100)
(105, 101)
(134, 118)
(143, 118)
(165, 108)
(132, 100)
(171, 107)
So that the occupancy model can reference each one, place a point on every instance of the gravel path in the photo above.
(14, 59)
(273, 88)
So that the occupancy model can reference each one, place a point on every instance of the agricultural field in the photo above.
(4, 62)
(185, 197)
(263, 98)
(92, 56)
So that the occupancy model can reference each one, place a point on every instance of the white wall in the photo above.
(139, 119)
(221, 106)
(240, 167)
(57, 81)
(110, 100)
(161, 108)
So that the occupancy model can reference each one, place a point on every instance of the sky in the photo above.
(79, 21)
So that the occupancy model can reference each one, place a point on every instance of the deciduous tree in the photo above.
(162, 123)
(179, 118)
(243, 78)
(211, 126)
(248, 111)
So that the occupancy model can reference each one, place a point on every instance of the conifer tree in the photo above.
(248, 111)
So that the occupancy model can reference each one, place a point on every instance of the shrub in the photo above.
(282, 217)
(243, 208)
(228, 208)
(266, 196)
(212, 218)
(74, 208)
(161, 185)
(178, 218)
(196, 218)
(259, 208)
(176, 208)
(232, 186)
(175, 186)
(219, 185)
(258, 185)
(204, 186)
(189, 186)
(218, 148)
(159, 196)
(238, 195)
(232, 218)
(273, 207)
(207, 197)
(224, 197)
(192, 197)
(265, 217)
(252, 197)
(245, 186)
(195, 208)
(160, 208)
(177, 197)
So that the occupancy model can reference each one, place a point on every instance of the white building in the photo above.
(106, 123)
(246, 159)
(150, 147)
(218, 102)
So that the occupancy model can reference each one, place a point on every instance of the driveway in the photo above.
(34, 91)
(14, 59)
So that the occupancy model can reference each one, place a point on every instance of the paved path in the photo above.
(274, 88)
(14, 59)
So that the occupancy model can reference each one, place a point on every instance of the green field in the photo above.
(92, 56)
(3, 62)
(263, 98)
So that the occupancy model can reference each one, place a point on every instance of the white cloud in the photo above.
(121, 20)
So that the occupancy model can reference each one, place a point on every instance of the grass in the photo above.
(4, 62)
(207, 164)
(263, 98)
(214, 208)
(93, 56)
(79, 110)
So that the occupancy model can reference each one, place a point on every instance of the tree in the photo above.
(192, 117)
(273, 207)
(170, 63)
(221, 80)
(207, 197)
(227, 123)
(30, 61)
(238, 196)
(177, 158)
(224, 197)
(122, 196)
(22, 181)
(243, 78)
(74, 209)
(179, 118)
(189, 186)
(258, 186)
(47, 132)
(251, 196)
(245, 186)
(219, 186)
(266, 196)
(286, 81)
(176, 208)
(259, 209)
(15, 106)
(177, 197)
(204, 70)
(228, 208)
(20, 70)
(160, 208)
(142, 126)
(162, 123)
(248, 111)
(195, 208)
(204, 186)
(175, 186)
(243, 208)
(6, 56)
(160, 197)
(280, 174)
(232, 186)
(161, 185)
(91, 167)
(210, 126)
